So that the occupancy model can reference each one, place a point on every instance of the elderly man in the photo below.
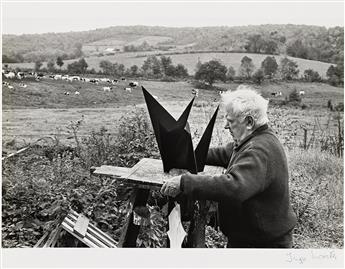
(253, 193)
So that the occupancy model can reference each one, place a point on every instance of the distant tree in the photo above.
(311, 75)
(38, 65)
(120, 70)
(246, 67)
(134, 70)
(59, 61)
(288, 69)
(152, 66)
(181, 71)
(231, 73)
(269, 66)
(51, 66)
(166, 62)
(258, 76)
(270, 47)
(107, 67)
(254, 43)
(211, 71)
(78, 67)
(297, 49)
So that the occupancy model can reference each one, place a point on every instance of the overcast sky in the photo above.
(39, 17)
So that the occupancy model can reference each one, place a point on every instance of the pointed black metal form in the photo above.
(174, 138)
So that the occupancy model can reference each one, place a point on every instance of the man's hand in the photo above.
(171, 187)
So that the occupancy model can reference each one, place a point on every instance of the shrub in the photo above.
(312, 76)
(295, 97)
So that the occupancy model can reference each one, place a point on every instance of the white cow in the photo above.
(10, 75)
(128, 89)
(56, 77)
(77, 93)
(22, 85)
(106, 89)
(195, 92)
(301, 93)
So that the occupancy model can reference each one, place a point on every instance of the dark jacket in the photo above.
(253, 194)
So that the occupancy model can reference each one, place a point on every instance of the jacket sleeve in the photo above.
(220, 156)
(245, 178)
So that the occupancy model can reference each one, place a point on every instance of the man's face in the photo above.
(237, 126)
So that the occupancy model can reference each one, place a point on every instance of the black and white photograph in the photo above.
(192, 133)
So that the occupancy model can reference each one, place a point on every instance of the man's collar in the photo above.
(256, 131)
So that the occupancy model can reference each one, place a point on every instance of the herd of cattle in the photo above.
(108, 88)
(39, 76)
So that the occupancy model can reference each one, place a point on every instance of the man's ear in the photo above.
(250, 122)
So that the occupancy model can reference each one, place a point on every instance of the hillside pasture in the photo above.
(189, 60)
(42, 109)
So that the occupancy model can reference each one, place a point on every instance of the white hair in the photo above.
(244, 102)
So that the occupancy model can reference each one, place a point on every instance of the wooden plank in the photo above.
(130, 230)
(112, 171)
(148, 173)
(81, 225)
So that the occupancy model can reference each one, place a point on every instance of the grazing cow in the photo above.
(301, 93)
(10, 75)
(105, 80)
(195, 92)
(133, 84)
(114, 81)
(10, 87)
(22, 85)
(77, 93)
(275, 94)
(106, 89)
(56, 77)
(86, 79)
(20, 75)
(66, 93)
(128, 89)
(73, 78)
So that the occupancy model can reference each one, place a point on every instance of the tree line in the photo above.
(287, 69)
(209, 72)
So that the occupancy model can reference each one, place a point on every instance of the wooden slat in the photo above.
(93, 234)
(87, 239)
(81, 225)
(42, 239)
(94, 229)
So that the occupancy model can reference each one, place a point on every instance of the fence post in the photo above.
(305, 138)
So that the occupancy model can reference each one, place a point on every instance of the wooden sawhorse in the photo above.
(145, 176)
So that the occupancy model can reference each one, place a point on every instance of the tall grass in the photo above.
(316, 186)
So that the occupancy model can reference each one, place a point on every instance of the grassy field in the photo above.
(190, 61)
(42, 109)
